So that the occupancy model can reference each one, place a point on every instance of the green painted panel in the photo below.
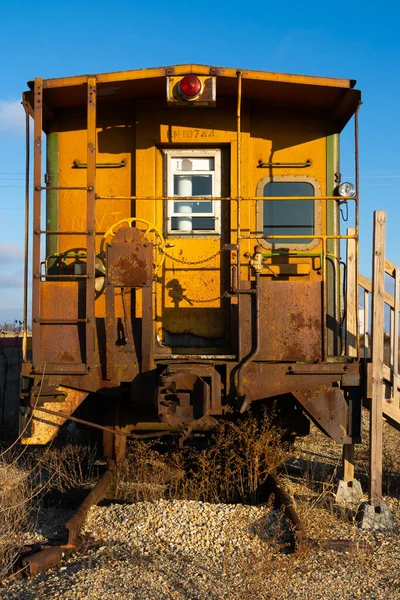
(52, 195)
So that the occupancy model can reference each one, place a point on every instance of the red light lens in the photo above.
(190, 86)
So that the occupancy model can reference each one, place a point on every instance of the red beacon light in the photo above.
(190, 87)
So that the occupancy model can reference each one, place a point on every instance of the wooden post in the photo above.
(395, 333)
(351, 303)
(348, 462)
(378, 289)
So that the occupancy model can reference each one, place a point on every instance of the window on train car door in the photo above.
(288, 217)
(193, 175)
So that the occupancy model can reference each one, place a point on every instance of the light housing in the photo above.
(346, 189)
(190, 87)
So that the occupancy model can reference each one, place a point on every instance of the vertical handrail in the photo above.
(239, 166)
(351, 303)
(26, 234)
(37, 200)
(357, 220)
(378, 290)
(351, 300)
(90, 219)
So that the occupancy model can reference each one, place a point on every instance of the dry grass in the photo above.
(18, 493)
(232, 467)
(68, 467)
(24, 481)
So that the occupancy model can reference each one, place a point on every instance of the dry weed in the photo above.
(232, 467)
(19, 492)
(68, 467)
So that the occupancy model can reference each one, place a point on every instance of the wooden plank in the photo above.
(366, 323)
(395, 332)
(351, 297)
(390, 268)
(366, 284)
(392, 410)
(391, 340)
(378, 281)
(348, 462)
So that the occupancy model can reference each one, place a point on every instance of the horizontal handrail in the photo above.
(366, 284)
(226, 198)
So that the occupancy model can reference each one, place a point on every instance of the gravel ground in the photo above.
(192, 550)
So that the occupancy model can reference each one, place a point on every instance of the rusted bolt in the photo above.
(345, 368)
(290, 369)
(36, 276)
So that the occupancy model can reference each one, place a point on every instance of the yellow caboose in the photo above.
(186, 263)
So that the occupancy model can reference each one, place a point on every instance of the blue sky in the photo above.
(355, 40)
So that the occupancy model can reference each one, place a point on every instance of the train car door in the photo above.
(291, 288)
(194, 315)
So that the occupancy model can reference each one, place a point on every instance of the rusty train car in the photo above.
(186, 251)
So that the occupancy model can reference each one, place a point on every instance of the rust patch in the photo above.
(290, 321)
(129, 259)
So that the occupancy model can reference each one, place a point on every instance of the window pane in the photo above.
(193, 223)
(193, 185)
(192, 164)
(193, 207)
(289, 217)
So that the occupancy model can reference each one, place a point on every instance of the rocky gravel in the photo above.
(187, 550)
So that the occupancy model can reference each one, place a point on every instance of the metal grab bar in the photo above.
(280, 165)
(80, 165)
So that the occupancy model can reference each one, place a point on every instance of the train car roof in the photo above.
(327, 97)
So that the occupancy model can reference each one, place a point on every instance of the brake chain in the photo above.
(192, 300)
(190, 262)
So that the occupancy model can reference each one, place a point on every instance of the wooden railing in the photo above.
(388, 338)
(382, 385)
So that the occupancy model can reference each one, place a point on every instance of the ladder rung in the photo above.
(56, 232)
(45, 277)
(60, 368)
(60, 321)
(39, 188)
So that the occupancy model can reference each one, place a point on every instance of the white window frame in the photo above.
(216, 191)
(275, 243)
